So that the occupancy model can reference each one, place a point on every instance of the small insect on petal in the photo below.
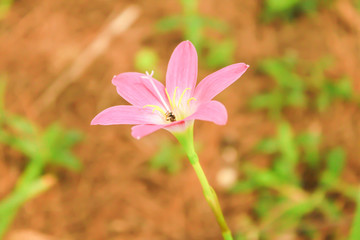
(170, 117)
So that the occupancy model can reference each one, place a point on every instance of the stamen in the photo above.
(182, 95)
(156, 108)
(190, 99)
(149, 76)
(168, 96)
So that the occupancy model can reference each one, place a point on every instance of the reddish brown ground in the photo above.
(116, 196)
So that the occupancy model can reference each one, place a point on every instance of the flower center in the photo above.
(177, 110)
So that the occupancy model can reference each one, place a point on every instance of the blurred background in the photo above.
(286, 166)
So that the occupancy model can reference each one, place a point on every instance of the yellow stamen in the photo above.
(156, 108)
(167, 94)
(182, 95)
(190, 99)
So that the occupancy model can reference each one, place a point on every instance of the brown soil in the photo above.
(116, 196)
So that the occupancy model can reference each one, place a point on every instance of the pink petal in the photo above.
(212, 111)
(182, 70)
(140, 131)
(216, 82)
(126, 115)
(138, 90)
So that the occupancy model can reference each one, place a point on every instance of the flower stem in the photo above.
(187, 141)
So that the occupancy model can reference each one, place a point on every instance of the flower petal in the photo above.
(136, 88)
(140, 131)
(126, 115)
(216, 82)
(182, 70)
(212, 111)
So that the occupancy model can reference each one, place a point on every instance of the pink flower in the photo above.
(175, 107)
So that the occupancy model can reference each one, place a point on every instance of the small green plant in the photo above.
(289, 9)
(355, 229)
(289, 89)
(5, 6)
(193, 25)
(168, 158)
(51, 146)
(325, 89)
(146, 59)
(297, 183)
(356, 4)
(300, 85)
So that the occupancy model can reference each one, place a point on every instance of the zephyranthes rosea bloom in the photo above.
(176, 106)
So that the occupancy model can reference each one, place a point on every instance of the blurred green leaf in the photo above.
(295, 90)
(168, 158)
(2, 97)
(169, 23)
(289, 9)
(21, 125)
(242, 186)
(57, 145)
(189, 6)
(220, 53)
(5, 6)
(193, 27)
(286, 143)
(146, 59)
(298, 210)
(310, 143)
(215, 24)
(288, 91)
(269, 146)
(330, 209)
(355, 229)
(341, 89)
(265, 203)
(194, 31)
(335, 161)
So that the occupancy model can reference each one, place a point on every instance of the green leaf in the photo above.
(220, 53)
(57, 145)
(266, 202)
(215, 24)
(168, 158)
(5, 6)
(295, 98)
(2, 96)
(323, 101)
(287, 144)
(169, 23)
(330, 209)
(335, 161)
(355, 229)
(268, 146)
(343, 89)
(310, 143)
(194, 31)
(189, 6)
(242, 186)
(146, 59)
(280, 5)
(21, 125)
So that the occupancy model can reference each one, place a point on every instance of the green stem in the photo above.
(355, 229)
(10, 205)
(187, 141)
